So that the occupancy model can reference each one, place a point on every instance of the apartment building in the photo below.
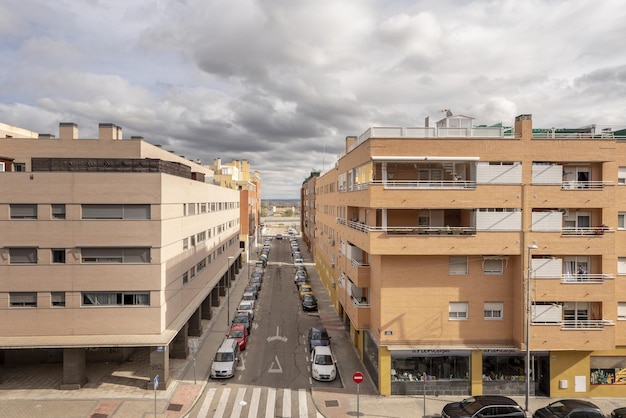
(108, 245)
(238, 175)
(455, 252)
(307, 214)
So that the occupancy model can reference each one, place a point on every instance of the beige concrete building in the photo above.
(108, 243)
(432, 240)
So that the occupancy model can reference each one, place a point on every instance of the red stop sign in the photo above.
(357, 377)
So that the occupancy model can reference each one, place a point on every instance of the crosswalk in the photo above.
(241, 402)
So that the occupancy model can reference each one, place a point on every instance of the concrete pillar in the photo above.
(159, 365)
(206, 307)
(179, 346)
(215, 295)
(74, 365)
(195, 323)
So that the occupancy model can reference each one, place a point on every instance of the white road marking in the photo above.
(254, 403)
(271, 400)
(286, 403)
(204, 409)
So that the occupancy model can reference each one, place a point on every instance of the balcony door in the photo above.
(577, 220)
(576, 177)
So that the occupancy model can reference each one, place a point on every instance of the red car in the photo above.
(240, 333)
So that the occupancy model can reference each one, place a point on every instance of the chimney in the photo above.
(68, 130)
(109, 131)
(524, 126)
(349, 141)
(217, 164)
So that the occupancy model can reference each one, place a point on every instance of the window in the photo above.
(192, 209)
(621, 175)
(116, 298)
(57, 299)
(58, 211)
(185, 243)
(185, 277)
(457, 310)
(19, 167)
(492, 266)
(621, 311)
(193, 240)
(23, 255)
(24, 211)
(115, 255)
(58, 256)
(621, 220)
(493, 310)
(131, 212)
(621, 265)
(458, 265)
(2, 165)
(23, 299)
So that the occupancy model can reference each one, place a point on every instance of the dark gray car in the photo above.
(569, 408)
(484, 406)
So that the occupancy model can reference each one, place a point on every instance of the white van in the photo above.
(227, 356)
(323, 365)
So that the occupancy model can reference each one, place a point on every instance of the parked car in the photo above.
(301, 281)
(256, 281)
(243, 319)
(299, 275)
(484, 406)
(279, 236)
(249, 297)
(239, 333)
(619, 412)
(305, 289)
(323, 365)
(569, 408)
(318, 337)
(247, 307)
(298, 261)
(226, 357)
(309, 303)
(252, 288)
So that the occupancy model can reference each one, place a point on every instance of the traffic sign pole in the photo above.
(358, 378)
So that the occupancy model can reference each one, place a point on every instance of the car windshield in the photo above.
(319, 336)
(245, 306)
(323, 359)
(470, 405)
(236, 333)
(221, 357)
(240, 320)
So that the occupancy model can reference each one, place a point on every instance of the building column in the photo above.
(195, 323)
(215, 295)
(179, 346)
(159, 365)
(222, 285)
(476, 367)
(74, 365)
(206, 307)
(384, 371)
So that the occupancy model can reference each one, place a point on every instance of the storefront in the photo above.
(430, 371)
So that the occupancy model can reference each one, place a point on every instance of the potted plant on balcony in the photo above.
(600, 229)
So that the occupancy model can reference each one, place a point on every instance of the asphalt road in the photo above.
(277, 355)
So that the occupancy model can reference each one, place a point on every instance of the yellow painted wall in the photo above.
(384, 371)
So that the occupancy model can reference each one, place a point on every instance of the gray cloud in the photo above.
(282, 83)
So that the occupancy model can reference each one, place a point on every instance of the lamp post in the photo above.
(528, 313)
(228, 291)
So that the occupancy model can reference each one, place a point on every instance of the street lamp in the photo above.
(528, 313)
(228, 291)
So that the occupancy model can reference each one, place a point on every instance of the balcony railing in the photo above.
(593, 230)
(585, 278)
(586, 324)
(426, 184)
(584, 185)
(437, 231)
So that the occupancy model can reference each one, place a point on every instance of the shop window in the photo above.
(607, 370)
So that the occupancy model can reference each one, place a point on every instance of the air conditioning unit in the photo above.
(564, 211)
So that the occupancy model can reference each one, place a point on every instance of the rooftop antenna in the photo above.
(448, 112)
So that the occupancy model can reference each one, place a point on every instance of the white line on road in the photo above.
(239, 402)
(287, 403)
(204, 409)
(221, 406)
(271, 399)
(302, 406)
(254, 403)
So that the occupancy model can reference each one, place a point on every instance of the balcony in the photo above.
(437, 231)
(584, 335)
(358, 311)
(359, 273)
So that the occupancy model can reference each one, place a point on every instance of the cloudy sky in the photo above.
(283, 82)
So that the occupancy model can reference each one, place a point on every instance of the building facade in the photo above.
(108, 245)
(455, 253)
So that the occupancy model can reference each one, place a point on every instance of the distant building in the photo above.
(108, 245)
(430, 240)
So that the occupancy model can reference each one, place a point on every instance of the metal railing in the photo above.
(584, 185)
(426, 184)
(585, 324)
(592, 230)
